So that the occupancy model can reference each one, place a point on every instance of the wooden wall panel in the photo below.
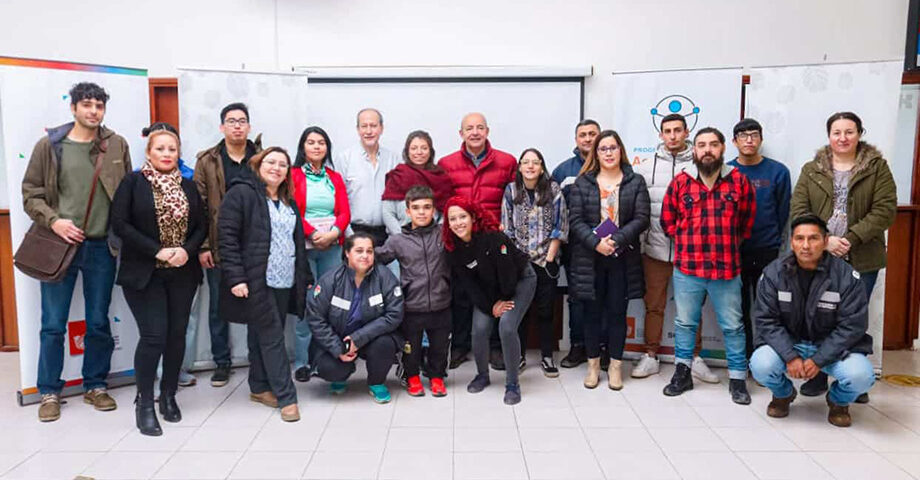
(9, 333)
(902, 280)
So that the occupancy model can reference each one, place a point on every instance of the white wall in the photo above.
(608, 34)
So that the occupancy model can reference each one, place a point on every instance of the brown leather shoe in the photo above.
(290, 413)
(265, 398)
(779, 407)
(50, 409)
(838, 415)
(100, 399)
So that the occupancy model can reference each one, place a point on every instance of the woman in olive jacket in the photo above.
(848, 185)
(607, 272)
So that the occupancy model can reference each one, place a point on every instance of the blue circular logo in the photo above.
(678, 104)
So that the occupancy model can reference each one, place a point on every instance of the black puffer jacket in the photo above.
(244, 238)
(487, 268)
(585, 215)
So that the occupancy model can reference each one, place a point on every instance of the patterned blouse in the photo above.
(837, 225)
(533, 227)
(280, 272)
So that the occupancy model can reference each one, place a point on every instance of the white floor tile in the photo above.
(607, 417)
(271, 466)
(127, 465)
(170, 441)
(9, 460)
(558, 466)
(858, 466)
(496, 416)
(341, 439)
(721, 416)
(221, 439)
(343, 465)
(412, 466)
(99, 438)
(688, 440)
(761, 439)
(428, 414)
(53, 465)
(783, 466)
(604, 440)
(909, 462)
(486, 440)
(553, 440)
(677, 417)
(420, 439)
(362, 415)
(636, 466)
(489, 466)
(822, 437)
(710, 465)
(549, 417)
(287, 437)
(198, 466)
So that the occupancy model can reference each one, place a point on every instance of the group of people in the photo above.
(476, 240)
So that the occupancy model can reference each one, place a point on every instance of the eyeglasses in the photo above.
(748, 136)
(236, 121)
(609, 149)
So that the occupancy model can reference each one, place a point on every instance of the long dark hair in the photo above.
(286, 187)
(429, 165)
(592, 165)
(544, 191)
(301, 157)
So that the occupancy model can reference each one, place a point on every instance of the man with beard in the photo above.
(708, 210)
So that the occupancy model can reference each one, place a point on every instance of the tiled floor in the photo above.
(560, 430)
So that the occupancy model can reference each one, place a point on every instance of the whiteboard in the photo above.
(521, 113)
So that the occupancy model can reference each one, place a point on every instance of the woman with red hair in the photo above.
(498, 279)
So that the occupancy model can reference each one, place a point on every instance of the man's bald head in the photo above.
(475, 132)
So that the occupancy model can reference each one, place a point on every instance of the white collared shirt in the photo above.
(365, 182)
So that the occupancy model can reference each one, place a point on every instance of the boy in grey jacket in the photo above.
(425, 279)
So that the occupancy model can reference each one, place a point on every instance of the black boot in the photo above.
(605, 358)
(169, 408)
(816, 386)
(146, 416)
(738, 390)
(575, 357)
(680, 382)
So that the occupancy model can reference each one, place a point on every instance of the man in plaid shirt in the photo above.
(708, 210)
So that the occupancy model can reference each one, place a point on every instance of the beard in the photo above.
(711, 165)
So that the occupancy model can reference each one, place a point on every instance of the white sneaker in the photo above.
(700, 370)
(647, 365)
(186, 379)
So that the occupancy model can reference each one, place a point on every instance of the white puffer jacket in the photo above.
(658, 172)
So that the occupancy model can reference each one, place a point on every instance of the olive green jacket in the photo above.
(871, 202)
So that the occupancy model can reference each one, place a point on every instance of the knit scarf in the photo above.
(405, 176)
(171, 206)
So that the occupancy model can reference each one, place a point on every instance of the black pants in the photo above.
(269, 368)
(437, 325)
(461, 312)
(161, 311)
(379, 234)
(379, 356)
(752, 264)
(609, 306)
(543, 301)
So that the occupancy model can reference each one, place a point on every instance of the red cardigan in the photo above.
(341, 211)
(484, 185)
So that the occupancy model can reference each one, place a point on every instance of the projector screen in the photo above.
(521, 112)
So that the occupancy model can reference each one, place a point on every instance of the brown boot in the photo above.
(615, 375)
(50, 409)
(594, 372)
(779, 407)
(265, 398)
(100, 399)
(838, 415)
(290, 413)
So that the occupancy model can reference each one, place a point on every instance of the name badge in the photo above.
(784, 296)
(376, 300)
(341, 303)
(833, 297)
(827, 305)
(472, 265)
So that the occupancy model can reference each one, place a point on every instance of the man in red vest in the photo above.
(480, 173)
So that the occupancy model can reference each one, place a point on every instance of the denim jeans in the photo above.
(220, 330)
(868, 280)
(321, 261)
(97, 265)
(854, 375)
(689, 294)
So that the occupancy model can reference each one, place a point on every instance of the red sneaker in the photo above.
(437, 387)
(415, 387)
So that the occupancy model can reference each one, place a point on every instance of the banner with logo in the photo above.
(793, 104)
(34, 96)
(705, 98)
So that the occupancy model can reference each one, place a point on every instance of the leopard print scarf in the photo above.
(171, 207)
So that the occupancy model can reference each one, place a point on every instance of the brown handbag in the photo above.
(45, 256)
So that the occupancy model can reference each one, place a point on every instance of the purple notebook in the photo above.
(607, 227)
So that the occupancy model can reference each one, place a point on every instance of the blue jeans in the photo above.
(689, 294)
(97, 265)
(220, 330)
(854, 375)
(321, 261)
(868, 280)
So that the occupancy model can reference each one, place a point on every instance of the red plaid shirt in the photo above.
(708, 225)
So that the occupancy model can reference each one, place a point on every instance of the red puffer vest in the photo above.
(484, 185)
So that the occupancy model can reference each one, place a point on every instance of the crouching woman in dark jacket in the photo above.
(160, 219)
(354, 311)
(607, 269)
(264, 272)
